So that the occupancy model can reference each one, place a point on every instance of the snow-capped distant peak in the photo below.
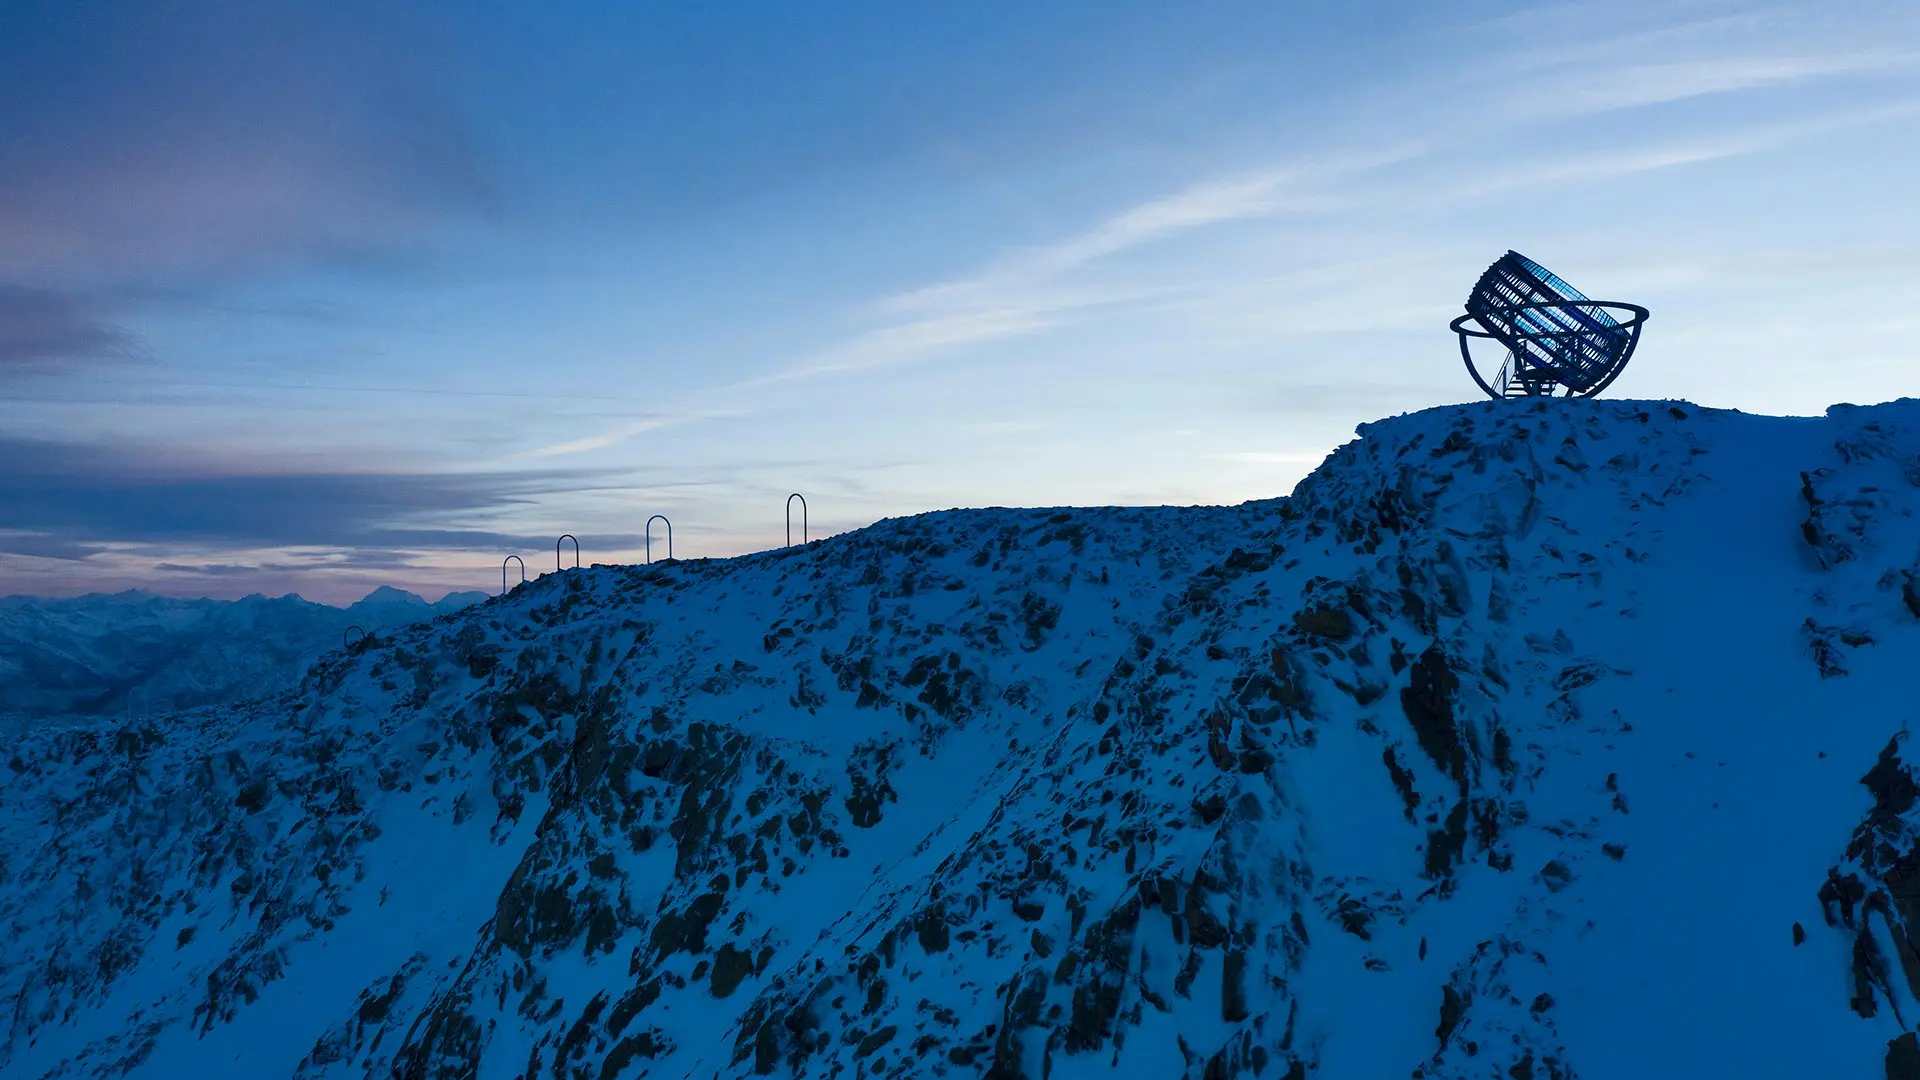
(387, 594)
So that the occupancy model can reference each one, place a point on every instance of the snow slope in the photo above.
(136, 652)
(1525, 739)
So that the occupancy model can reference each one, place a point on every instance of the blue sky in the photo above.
(319, 297)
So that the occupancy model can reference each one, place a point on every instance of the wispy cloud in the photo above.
(1631, 86)
(1604, 165)
(42, 327)
(1038, 289)
(1210, 202)
(1648, 57)
(1033, 290)
(63, 500)
(208, 569)
(983, 319)
(618, 435)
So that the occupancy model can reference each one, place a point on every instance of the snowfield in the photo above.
(1525, 740)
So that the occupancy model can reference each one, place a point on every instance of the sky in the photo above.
(318, 297)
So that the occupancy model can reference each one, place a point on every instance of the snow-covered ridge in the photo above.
(1523, 740)
(137, 652)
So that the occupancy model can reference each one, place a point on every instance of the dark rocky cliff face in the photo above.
(1412, 773)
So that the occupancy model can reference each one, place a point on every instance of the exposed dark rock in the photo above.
(875, 1041)
(1233, 990)
(1893, 787)
(1903, 1057)
(1107, 948)
(1023, 999)
(687, 931)
(1325, 621)
(1556, 875)
(1446, 845)
(1402, 783)
(730, 966)
(931, 928)
(1428, 704)
(1453, 1008)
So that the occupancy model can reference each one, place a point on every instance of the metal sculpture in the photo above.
(1558, 342)
(503, 571)
(803, 518)
(347, 640)
(556, 552)
(669, 524)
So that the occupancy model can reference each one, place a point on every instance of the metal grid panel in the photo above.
(1573, 344)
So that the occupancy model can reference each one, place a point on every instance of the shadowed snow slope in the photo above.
(1525, 740)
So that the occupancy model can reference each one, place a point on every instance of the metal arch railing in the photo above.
(556, 552)
(803, 518)
(503, 571)
(669, 524)
(790, 517)
(347, 639)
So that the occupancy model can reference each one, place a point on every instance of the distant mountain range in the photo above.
(136, 652)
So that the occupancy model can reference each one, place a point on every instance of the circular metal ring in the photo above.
(1631, 327)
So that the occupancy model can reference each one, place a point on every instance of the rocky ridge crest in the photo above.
(1335, 785)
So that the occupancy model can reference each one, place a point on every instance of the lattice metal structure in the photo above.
(1558, 342)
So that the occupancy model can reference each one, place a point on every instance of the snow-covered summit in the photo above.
(1523, 740)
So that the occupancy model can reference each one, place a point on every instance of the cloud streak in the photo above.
(618, 435)
(1029, 291)
(60, 500)
(40, 328)
(1589, 167)
(1038, 289)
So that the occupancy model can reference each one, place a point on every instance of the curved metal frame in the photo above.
(503, 571)
(346, 636)
(1631, 327)
(803, 518)
(556, 552)
(650, 521)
